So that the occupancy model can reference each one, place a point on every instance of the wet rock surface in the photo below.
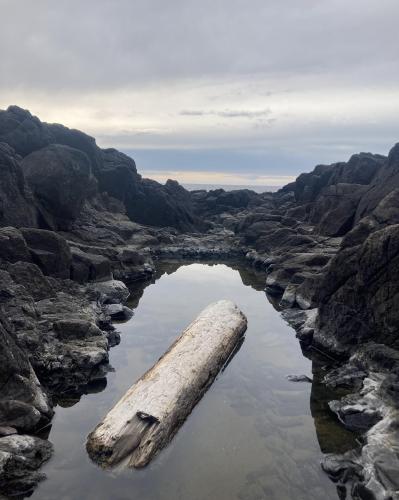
(78, 223)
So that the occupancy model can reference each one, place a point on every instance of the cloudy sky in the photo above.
(210, 91)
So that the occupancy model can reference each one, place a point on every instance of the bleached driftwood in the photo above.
(152, 410)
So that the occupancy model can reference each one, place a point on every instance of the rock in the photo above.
(31, 277)
(18, 414)
(20, 457)
(217, 201)
(118, 312)
(22, 131)
(7, 431)
(131, 256)
(299, 378)
(49, 251)
(355, 417)
(111, 292)
(67, 329)
(16, 204)
(289, 296)
(23, 402)
(89, 267)
(61, 180)
(13, 246)
(158, 205)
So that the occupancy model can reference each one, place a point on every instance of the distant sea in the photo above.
(230, 187)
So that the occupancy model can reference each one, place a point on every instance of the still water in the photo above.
(251, 437)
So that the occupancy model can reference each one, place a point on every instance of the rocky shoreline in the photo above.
(78, 225)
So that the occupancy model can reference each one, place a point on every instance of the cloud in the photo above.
(228, 113)
(279, 85)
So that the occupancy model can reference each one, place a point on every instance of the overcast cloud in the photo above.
(253, 90)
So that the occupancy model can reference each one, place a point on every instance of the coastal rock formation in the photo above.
(78, 222)
(51, 151)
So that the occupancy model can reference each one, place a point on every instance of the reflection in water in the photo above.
(252, 436)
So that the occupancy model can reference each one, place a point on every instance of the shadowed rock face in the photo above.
(61, 180)
(16, 203)
(360, 296)
(328, 197)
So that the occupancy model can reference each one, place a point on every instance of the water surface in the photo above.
(252, 436)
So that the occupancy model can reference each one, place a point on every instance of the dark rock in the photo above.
(13, 246)
(16, 203)
(67, 329)
(118, 312)
(7, 431)
(20, 457)
(31, 277)
(60, 178)
(23, 403)
(22, 131)
(89, 267)
(49, 251)
(18, 414)
(111, 292)
(299, 378)
(355, 417)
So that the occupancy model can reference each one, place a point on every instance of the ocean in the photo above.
(231, 187)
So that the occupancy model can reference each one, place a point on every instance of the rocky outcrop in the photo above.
(328, 197)
(61, 180)
(65, 167)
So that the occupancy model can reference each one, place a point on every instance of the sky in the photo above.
(210, 91)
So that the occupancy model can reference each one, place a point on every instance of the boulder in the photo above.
(111, 291)
(61, 180)
(118, 312)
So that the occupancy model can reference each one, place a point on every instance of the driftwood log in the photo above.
(153, 409)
